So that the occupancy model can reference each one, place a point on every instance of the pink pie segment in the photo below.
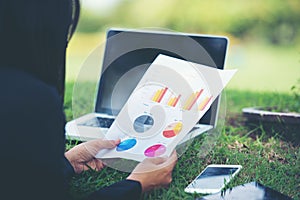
(155, 150)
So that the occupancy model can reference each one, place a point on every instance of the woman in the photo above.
(33, 38)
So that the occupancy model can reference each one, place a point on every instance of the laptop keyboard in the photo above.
(98, 122)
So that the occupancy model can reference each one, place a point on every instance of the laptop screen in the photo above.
(129, 53)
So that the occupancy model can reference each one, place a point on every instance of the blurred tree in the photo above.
(277, 21)
(90, 21)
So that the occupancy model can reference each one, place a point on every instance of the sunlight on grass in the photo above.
(261, 67)
(79, 49)
(264, 67)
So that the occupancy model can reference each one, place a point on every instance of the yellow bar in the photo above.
(189, 101)
(171, 101)
(162, 93)
(194, 100)
(204, 103)
(155, 97)
(176, 100)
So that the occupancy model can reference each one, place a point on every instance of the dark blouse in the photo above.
(32, 144)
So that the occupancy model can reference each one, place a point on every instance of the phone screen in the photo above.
(213, 179)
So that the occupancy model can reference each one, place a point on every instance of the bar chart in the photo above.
(192, 100)
(173, 101)
(159, 94)
(204, 103)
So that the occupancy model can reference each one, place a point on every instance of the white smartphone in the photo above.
(213, 179)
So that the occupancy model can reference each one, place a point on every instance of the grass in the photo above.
(265, 157)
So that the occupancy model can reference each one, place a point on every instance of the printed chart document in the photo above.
(168, 101)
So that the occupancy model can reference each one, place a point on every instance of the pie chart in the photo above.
(172, 130)
(126, 144)
(155, 150)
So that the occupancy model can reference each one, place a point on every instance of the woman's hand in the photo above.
(154, 172)
(82, 156)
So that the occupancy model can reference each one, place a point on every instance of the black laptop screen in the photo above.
(128, 54)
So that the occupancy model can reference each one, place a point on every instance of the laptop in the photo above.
(127, 55)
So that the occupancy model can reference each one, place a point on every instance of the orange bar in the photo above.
(191, 103)
(204, 103)
(171, 101)
(188, 101)
(175, 102)
(195, 99)
(155, 97)
(162, 94)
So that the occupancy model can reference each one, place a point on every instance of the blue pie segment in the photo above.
(126, 144)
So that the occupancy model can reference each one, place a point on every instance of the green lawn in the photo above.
(265, 157)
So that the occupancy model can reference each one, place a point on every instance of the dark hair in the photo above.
(34, 35)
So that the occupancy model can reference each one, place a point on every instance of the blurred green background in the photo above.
(264, 35)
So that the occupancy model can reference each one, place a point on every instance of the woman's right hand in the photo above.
(154, 172)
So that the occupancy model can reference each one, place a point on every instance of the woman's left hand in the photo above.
(82, 156)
